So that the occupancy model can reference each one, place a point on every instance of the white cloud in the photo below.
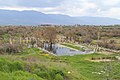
(73, 8)
(111, 2)
(17, 8)
(102, 8)
(47, 9)
(113, 13)
(77, 8)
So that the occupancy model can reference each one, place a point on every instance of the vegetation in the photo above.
(38, 66)
(74, 46)
(94, 70)
(22, 56)
(41, 66)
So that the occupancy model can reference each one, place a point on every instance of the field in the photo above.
(34, 64)
(22, 56)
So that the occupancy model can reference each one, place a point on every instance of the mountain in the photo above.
(11, 17)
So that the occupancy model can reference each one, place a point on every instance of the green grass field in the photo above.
(93, 70)
(34, 64)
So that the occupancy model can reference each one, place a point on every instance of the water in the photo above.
(61, 50)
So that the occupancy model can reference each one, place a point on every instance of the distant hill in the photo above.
(11, 17)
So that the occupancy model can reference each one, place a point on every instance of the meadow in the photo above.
(34, 64)
(22, 56)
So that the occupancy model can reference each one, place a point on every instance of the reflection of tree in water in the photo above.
(50, 48)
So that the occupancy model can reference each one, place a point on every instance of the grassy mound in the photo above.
(33, 64)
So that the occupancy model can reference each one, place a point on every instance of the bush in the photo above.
(42, 74)
(7, 66)
(11, 48)
(59, 77)
(2, 51)
(19, 75)
(47, 73)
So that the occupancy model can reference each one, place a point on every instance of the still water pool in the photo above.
(61, 50)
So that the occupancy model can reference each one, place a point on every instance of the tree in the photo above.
(49, 35)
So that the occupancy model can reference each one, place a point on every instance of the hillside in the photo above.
(10, 17)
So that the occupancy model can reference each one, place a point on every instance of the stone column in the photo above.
(10, 41)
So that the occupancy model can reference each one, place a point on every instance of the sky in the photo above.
(99, 8)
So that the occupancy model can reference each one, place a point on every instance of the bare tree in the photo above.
(49, 35)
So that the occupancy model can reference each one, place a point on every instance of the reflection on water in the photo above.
(62, 50)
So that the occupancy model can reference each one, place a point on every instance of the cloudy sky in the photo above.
(101, 8)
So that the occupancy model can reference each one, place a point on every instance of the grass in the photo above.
(92, 70)
(34, 64)
(31, 51)
(73, 46)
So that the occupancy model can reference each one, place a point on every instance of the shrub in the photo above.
(19, 75)
(7, 66)
(59, 77)
(11, 48)
(48, 73)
